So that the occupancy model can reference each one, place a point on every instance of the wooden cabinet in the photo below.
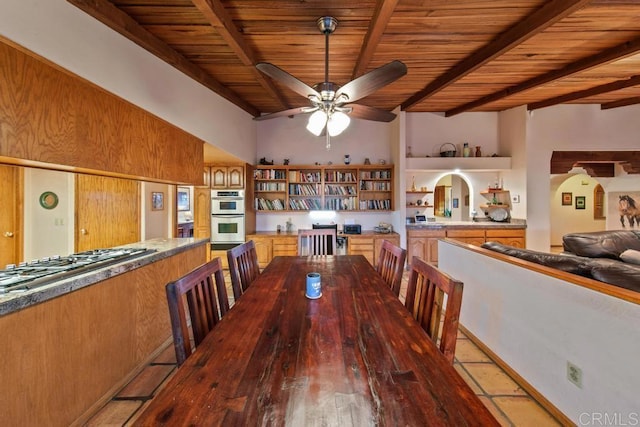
(222, 177)
(472, 236)
(272, 245)
(511, 237)
(337, 188)
(424, 244)
(361, 245)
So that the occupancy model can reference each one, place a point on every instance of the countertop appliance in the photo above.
(352, 229)
(40, 272)
(227, 218)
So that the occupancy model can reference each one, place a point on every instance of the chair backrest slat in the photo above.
(320, 241)
(425, 299)
(391, 265)
(243, 267)
(203, 292)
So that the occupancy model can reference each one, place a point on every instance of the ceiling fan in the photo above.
(331, 104)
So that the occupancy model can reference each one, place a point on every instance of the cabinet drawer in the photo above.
(426, 233)
(465, 233)
(509, 232)
(361, 243)
(285, 246)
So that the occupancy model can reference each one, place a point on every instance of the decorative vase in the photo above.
(413, 184)
(478, 151)
(466, 150)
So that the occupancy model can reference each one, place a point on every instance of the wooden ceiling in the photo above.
(463, 55)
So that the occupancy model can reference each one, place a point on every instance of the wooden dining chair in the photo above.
(316, 242)
(425, 298)
(207, 301)
(243, 267)
(391, 265)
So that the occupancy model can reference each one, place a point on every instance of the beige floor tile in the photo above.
(466, 351)
(493, 380)
(115, 413)
(467, 378)
(146, 382)
(497, 414)
(523, 411)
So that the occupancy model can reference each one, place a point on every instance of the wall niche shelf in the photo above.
(462, 163)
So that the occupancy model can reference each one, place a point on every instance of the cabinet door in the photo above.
(416, 246)
(263, 249)
(378, 245)
(235, 177)
(510, 237)
(110, 214)
(201, 212)
(432, 249)
(219, 177)
(207, 177)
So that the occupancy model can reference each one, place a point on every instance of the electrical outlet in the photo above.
(574, 374)
(515, 198)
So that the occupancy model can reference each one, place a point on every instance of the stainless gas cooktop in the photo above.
(28, 275)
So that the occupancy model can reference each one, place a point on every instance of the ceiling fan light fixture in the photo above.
(338, 122)
(316, 123)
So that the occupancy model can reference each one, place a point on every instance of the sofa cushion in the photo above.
(617, 273)
(630, 256)
(569, 263)
(601, 244)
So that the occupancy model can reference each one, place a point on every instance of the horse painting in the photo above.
(628, 208)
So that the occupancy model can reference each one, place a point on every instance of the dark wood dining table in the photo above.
(353, 357)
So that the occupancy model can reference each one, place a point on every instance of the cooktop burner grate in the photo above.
(28, 275)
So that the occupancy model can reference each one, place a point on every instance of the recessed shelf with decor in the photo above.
(463, 163)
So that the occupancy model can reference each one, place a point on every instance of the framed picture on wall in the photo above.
(157, 201)
(580, 202)
(183, 199)
(567, 199)
(455, 203)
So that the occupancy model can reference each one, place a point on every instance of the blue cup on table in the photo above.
(314, 286)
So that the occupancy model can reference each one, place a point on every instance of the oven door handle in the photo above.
(227, 198)
(228, 215)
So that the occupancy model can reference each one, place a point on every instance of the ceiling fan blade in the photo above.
(287, 79)
(289, 112)
(370, 113)
(368, 83)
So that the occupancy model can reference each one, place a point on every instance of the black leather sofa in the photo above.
(595, 255)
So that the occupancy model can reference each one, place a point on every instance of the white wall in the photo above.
(566, 218)
(536, 323)
(157, 223)
(48, 232)
(573, 128)
(62, 33)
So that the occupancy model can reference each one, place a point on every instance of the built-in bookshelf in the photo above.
(340, 188)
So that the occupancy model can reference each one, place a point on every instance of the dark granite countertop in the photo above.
(164, 248)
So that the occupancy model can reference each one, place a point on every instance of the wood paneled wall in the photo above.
(48, 115)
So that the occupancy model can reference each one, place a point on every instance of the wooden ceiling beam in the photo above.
(377, 26)
(105, 12)
(620, 103)
(536, 22)
(586, 93)
(221, 20)
(563, 161)
(606, 56)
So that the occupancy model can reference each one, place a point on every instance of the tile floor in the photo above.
(509, 403)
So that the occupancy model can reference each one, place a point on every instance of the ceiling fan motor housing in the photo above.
(327, 24)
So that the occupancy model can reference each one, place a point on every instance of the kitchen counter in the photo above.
(74, 341)
(513, 224)
(295, 234)
(164, 248)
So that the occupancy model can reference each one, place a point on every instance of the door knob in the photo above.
(83, 231)
(8, 234)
